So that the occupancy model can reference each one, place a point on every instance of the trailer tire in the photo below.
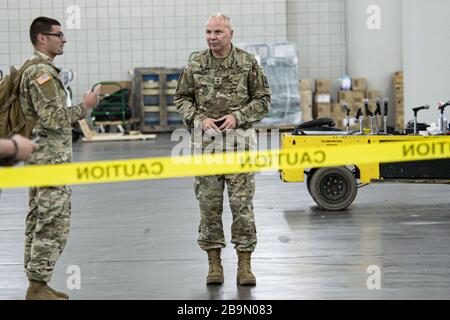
(309, 175)
(333, 188)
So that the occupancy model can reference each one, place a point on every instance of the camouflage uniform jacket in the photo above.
(208, 88)
(42, 97)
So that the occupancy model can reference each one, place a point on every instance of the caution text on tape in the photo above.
(221, 163)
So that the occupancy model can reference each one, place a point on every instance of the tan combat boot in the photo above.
(245, 276)
(215, 272)
(38, 290)
(59, 294)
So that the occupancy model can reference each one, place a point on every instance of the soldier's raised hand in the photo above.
(91, 98)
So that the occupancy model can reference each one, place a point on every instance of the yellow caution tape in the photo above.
(223, 163)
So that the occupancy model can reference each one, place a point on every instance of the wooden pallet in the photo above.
(90, 135)
(116, 123)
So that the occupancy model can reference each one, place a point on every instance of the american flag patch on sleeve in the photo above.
(43, 79)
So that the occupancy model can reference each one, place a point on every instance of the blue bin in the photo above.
(151, 122)
(174, 118)
(151, 100)
(172, 77)
(151, 118)
(150, 77)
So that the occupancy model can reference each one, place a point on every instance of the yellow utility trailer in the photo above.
(335, 188)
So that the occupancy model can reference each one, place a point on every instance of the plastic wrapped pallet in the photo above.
(280, 64)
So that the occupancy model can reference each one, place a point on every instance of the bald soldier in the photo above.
(43, 100)
(222, 92)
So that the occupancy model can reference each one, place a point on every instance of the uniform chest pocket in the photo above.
(237, 82)
(204, 87)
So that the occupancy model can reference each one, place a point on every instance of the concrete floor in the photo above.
(138, 240)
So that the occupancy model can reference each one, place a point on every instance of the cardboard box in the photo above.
(306, 98)
(306, 105)
(108, 89)
(373, 94)
(307, 112)
(398, 77)
(398, 91)
(323, 110)
(356, 106)
(359, 96)
(346, 96)
(359, 84)
(322, 97)
(337, 114)
(399, 121)
(304, 85)
(323, 86)
(399, 114)
(355, 125)
(399, 96)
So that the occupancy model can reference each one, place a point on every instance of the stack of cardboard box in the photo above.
(372, 96)
(399, 105)
(319, 104)
(354, 99)
(337, 112)
(322, 99)
(359, 88)
(306, 99)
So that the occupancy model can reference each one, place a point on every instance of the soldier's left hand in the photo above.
(229, 122)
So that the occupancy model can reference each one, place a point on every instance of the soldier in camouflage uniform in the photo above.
(221, 89)
(43, 99)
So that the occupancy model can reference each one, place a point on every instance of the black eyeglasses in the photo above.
(57, 34)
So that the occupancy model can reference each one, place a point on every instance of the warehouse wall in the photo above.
(375, 54)
(318, 28)
(115, 36)
(426, 49)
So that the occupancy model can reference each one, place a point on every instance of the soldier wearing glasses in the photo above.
(43, 100)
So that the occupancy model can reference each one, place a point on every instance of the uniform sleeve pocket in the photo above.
(48, 91)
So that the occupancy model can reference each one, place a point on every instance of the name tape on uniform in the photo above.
(221, 163)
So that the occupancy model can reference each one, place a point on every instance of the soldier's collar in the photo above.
(41, 55)
(227, 63)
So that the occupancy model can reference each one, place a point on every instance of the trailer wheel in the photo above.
(333, 188)
(308, 179)
(308, 183)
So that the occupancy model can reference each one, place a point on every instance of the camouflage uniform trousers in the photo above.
(209, 192)
(47, 230)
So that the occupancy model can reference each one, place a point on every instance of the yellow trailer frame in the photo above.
(336, 179)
